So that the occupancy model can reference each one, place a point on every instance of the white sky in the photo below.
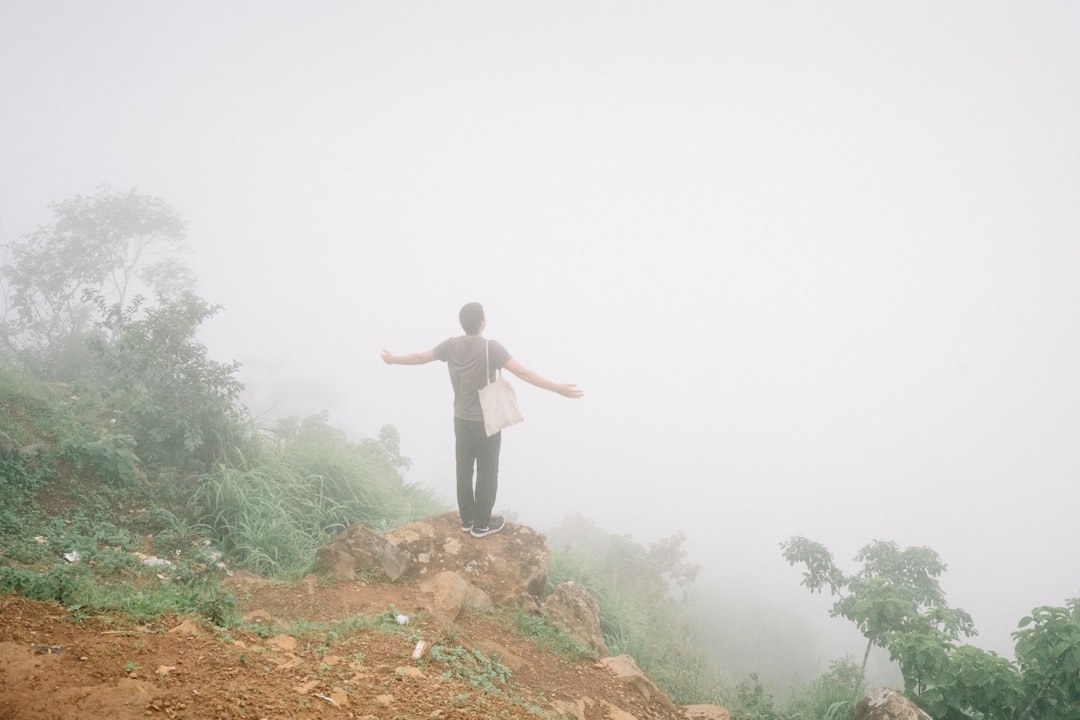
(814, 265)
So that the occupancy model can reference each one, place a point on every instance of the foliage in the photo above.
(895, 592)
(111, 456)
(553, 637)
(1048, 656)
(642, 612)
(750, 701)
(897, 603)
(88, 562)
(51, 431)
(627, 567)
(75, 311)
(833, 696)
(272, 514)
(114, 244)
(473, 667)
(181, 408)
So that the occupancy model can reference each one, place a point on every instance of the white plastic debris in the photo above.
(153, 561)
(419, 650)
(72, 556)
(402, 619)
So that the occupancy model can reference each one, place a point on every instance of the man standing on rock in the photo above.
(467, 358)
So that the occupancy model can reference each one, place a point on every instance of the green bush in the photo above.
(181, 407)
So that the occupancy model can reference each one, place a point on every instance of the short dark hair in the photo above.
(471, 317)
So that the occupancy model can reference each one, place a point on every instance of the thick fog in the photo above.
(815, 266)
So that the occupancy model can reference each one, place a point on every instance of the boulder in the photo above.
(452, 595)
(571, 607)
(358, 549)
(625, 669)
(887, 704)
(510, 566)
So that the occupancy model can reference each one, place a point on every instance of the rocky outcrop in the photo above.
(458, 574)
(625, 669)
(452, 595)
(571, 607)
(356, 550)
(886, 704)
(510, 566)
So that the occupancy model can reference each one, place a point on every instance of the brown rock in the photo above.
(452, 595)
(624, 668)
(571, 607)
(887, 704)
(510, 566)
(358, 549)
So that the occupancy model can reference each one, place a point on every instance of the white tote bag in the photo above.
(498, 401)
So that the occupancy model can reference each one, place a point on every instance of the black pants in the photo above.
(474, 449)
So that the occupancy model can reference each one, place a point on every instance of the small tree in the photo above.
(114, 244)
(182, 408)
(895, 592)
(897, 603)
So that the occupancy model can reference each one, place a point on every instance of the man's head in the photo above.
(472, 318)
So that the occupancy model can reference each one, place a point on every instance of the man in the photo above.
(467, 358)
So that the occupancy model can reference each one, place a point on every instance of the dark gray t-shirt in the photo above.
(464, 358)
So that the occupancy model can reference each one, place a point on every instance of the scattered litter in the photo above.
(72, 556)
(153, 561)
(165, 669)
(419, 650)
(402, 619)
(40, 539)
(326, 698)
(46, 650)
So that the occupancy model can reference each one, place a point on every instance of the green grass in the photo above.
(272, 516)
(473, 667)
(833, 696)
(549, 636)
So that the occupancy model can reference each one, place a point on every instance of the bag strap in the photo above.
(487, 363)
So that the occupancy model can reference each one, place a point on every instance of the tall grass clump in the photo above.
(364, 479)
(833, 696)
(272, 515)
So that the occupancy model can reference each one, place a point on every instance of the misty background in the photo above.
(815, 267)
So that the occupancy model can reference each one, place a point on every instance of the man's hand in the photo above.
(570, 390)
(388, 357)
(565, 389)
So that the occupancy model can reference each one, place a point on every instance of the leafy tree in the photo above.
(895, 592)
(897, 603)
(181, 407)
(114, 244)
(1048, 655)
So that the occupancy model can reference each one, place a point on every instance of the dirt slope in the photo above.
(311, 662)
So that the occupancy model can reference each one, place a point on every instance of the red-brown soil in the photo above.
(307, 663)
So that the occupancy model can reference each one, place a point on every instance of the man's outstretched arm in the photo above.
(417, 358)
(569, 390)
